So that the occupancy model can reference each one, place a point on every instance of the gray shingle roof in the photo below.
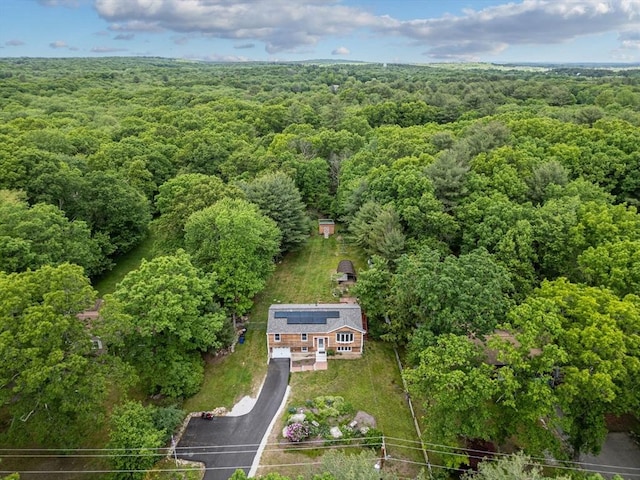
(346, 266)
(350, 316)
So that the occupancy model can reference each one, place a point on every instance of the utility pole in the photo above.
(383, 456)
(173, 446)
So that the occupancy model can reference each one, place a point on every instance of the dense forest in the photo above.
(488, 199)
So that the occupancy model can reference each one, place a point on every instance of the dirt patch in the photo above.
(213, 358)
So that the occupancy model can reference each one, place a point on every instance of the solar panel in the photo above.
(306, 321)
(307, 317)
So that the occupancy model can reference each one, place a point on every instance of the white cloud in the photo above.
(295, 26)
(630, 40)
(14, 43)
(135, 26)
(340, 51)
(529, 22)
(124, 36)
(281, 24)
(58, 44)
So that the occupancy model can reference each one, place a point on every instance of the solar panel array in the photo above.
(307, 317)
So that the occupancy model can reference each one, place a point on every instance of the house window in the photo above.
(303, 337)
(304, 349)
(276, 337)
(344, 337)
(343, 349)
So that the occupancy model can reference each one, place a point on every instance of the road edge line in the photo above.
(256, 460)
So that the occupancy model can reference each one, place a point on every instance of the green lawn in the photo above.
(302, 276)
(168, 470)
(130, 261)
(372, 383)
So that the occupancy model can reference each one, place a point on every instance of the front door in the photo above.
(320, 344)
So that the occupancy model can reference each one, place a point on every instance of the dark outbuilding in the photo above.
(348, 271)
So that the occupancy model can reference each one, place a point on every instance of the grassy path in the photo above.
(128, 262)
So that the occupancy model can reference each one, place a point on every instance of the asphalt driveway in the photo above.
(225, 444)
(619, 455)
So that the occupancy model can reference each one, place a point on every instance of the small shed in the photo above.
(326, 227)
(346, 272)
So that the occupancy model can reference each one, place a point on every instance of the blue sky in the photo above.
(406, 31)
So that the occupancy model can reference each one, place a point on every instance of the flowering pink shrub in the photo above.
(296, 432)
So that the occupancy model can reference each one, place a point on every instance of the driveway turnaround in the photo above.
(225, 444)
(619, 455)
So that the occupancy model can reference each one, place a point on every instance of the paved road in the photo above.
(227, 443)
(619, 455)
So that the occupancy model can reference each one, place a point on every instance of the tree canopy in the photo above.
(181, 196)
(160, 318)
(277, 197)
(51, 384)
(236, 242)
(31, 237)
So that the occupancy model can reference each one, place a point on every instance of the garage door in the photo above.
(281, 352)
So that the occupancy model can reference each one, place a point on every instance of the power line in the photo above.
(392, 459)
(305, 446)
(540, 459)
(562, 467)
(528, 463)
(30, 472)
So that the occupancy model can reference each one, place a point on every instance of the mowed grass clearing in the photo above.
(371, 383)
(303, 276)
(130, 261)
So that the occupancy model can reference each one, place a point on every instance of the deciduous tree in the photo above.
(160, 318)
(181, 196)
(113, 209)
(595, 364)
(614, 265)
(459, 390)
(512, 467)
(135, 441)
(466, 294)
(31, 237)
(234, 240)
(50, 383)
